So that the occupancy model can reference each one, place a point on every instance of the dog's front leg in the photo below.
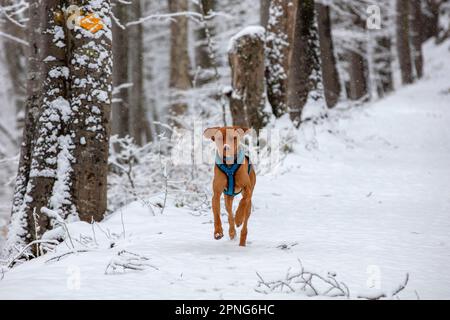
(218, 231)
(243, 212)
(229, 207)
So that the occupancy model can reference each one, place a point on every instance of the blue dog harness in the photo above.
(230, 171)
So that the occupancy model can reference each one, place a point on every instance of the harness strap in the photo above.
(230, 171)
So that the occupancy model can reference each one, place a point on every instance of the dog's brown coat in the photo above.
(244, 182)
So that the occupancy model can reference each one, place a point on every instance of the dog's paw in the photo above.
(232, 234)
(218, 235)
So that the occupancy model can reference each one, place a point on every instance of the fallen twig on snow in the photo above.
(310, 283)
(126, 260)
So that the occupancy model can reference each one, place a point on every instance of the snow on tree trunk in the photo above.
(53, 114)
(382, 53)
(18, 229)
(280, 33)
(90, 56)
(246, 56)
(383, 65)
(120, 106)
(403, 45)
(416, 36)
(331, 82)
(304, 79)
(180, 79)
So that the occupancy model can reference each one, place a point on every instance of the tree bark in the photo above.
(383, 65)
(403, 47)
(247, 73)
(203, 58)
(90, 96)
(64, 167)
(331, 82)
(264, 12)
(280, 37)
(180, 79)
(416, 36)
(382, 53)
(357, 60)
(120, 107)
(19, 233)
(305, 71)
(138, 117)
(431, 19)
(15, 54)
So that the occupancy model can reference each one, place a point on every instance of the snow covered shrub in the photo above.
(148, 174)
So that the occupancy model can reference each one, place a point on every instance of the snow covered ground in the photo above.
(365, 195)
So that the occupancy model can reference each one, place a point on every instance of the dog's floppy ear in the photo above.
(242, 131)
(210, 133)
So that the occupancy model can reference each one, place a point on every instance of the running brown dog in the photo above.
(233, 174)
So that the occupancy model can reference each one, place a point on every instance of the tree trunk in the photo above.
(431, 19)
(357, 65)
(70, 88)
(330, 75)
(305, 72)
(180, 79)
(50, 122)
(120, 107)
(138, 117)
(264, 12)
(15, 54)
(403, 48)
(247, 75)
(203, 58)
(280, 35)
(382, 53)
(383, 65)
(416, 36)
(19, 229)
(90, 96)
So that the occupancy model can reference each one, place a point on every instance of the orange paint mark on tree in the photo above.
(91, 23)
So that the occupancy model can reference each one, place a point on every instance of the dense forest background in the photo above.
(156, 64)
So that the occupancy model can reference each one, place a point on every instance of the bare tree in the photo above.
(280, 36)
(180, 79)
(305, 71)
(358, 88)
(264, 12)
(431, 18)
(120, 107)
(139, 126)
(403, 46)
(203, 58)
(15, 53)
(19, 228)
(382, 52)
(331, 82)
(416, 24)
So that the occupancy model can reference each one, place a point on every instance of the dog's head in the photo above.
(227, 140)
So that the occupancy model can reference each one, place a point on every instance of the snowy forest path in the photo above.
(354, 203)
